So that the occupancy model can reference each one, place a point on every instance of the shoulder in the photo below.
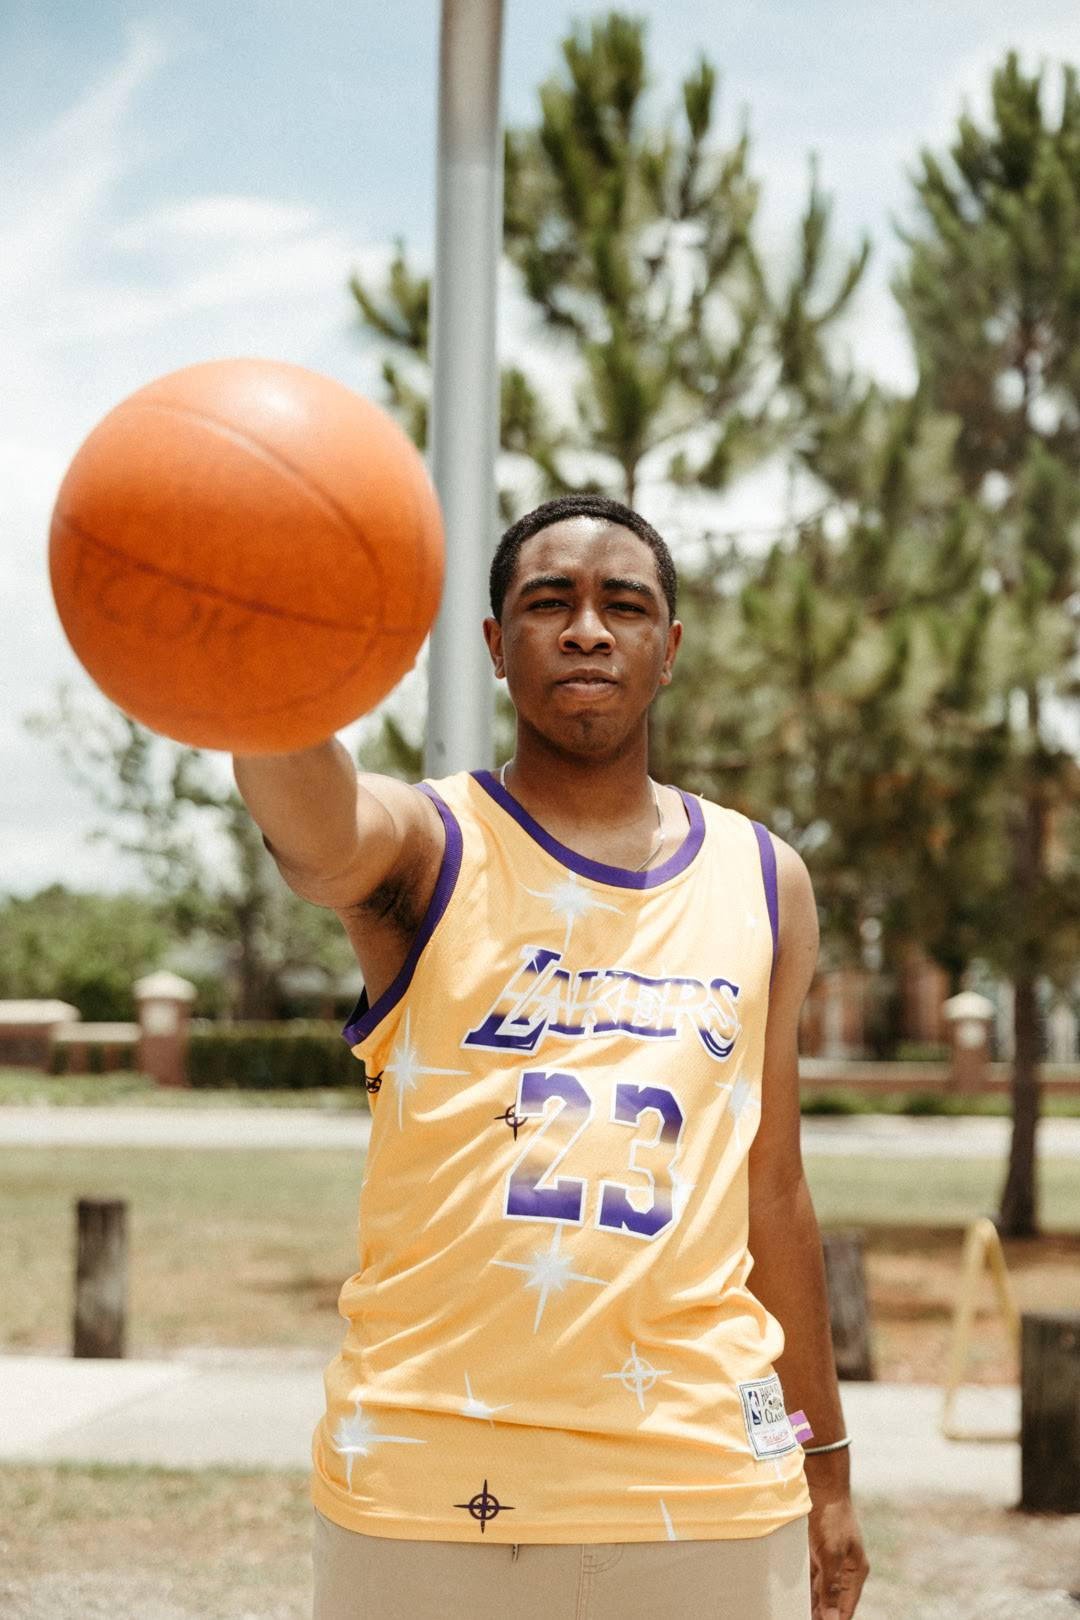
(794, 887)
(797, 920)
(797, 944)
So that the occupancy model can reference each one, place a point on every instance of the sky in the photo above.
(186, 182)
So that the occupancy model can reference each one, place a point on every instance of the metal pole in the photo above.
(465, 387)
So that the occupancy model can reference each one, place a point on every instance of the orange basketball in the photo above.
(246, 555)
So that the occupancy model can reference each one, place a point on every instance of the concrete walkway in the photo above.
(183, 1127)
(258, 1411)
(880, 1135)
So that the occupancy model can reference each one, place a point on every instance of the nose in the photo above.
(586, 632)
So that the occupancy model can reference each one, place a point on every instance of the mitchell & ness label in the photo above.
(768, 1427)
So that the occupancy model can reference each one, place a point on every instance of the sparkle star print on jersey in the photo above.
(551, 1333)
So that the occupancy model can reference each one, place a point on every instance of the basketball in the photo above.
(246, 555)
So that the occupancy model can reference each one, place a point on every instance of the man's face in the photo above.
(584, 641)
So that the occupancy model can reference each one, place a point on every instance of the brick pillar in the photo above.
(164, 1003)
(969, 1018)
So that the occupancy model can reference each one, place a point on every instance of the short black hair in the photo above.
(586, 505)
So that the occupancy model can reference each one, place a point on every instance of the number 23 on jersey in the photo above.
(644, 1206)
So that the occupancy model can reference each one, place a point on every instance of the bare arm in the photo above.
(789, 1272)
(340, 838)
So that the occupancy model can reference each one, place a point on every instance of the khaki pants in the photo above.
(361, 1577)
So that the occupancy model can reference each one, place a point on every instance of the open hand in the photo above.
(838, 1562)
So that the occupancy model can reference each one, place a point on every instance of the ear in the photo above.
(493, 637)
(674, 637)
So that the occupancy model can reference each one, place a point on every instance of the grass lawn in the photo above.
(126, 1543)
(31, 1088)
(853, 1191)
(249, 1249)
(230, 1248)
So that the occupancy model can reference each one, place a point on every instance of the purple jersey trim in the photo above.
(768, 877)
(364, 1018)
(618, 876)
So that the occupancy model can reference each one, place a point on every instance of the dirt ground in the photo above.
(144, 1544)
(913, 1275)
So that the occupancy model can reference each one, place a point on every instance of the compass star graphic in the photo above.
(568, 899)
(405, 1068)
(549, 1271)
(356, 1437)
(484, 1507)
(510, 1116)
(742, 1098)
(638, 1375)
(475, 1408)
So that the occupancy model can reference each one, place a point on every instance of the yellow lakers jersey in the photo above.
(551, 1334)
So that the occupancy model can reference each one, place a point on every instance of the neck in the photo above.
(586, 791)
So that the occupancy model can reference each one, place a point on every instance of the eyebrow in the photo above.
(563, 582)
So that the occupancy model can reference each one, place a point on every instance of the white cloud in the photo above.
(307, 270)
(209, 219)
(53, 185)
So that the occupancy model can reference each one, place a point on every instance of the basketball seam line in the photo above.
(273, 458)
(200, 586)
(266, 712)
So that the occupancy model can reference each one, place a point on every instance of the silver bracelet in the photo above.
(818, 1451)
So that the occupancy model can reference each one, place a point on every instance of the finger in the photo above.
(854, 1579)
(830, 1588)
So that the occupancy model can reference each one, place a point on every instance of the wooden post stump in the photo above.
(101, 1278)
(849, 1305)
(1050, 1412)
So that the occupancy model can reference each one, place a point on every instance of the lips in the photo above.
(586, 686)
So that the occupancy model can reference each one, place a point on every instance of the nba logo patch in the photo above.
(768, 1427)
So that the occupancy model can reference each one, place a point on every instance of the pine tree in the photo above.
(991, 290)
(633, 246)
(817, 690)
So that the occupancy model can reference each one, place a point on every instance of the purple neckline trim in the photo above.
(767, 852)
(364, 1018)
(617, 876)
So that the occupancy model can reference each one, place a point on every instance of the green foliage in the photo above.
(400, 316)
(991, 289)
(163, 804)
(390, 752)
(919, 1104)
(993, 297)
(292, 1056)
(840, 1102)
(632, 239)
(922, 1052)
(86, 949)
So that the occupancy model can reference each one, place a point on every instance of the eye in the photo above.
(546, 602)
(628, 607)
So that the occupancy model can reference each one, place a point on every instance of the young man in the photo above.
(562, 1388)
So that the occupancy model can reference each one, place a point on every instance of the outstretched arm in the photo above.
(789, 1271)
(366, 846)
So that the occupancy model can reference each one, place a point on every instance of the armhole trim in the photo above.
(767, 853)
(364, 1017)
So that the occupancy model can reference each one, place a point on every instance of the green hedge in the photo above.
(835, 1102)
(271, 1057)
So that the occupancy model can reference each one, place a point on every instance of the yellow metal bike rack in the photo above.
(982, 1248)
